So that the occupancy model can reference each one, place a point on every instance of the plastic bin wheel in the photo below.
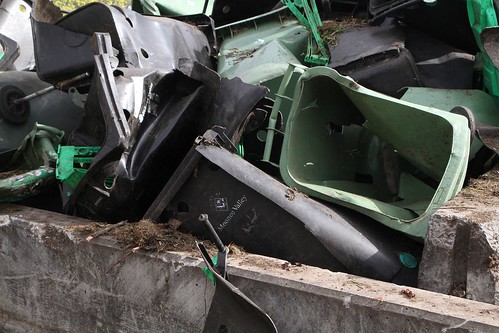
(10, 112)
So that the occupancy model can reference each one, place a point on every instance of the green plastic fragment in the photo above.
(207, 271)
(37, 148)
(311, 19)
(72, 163)
(29, 173)
(240, 149)
(26, 184)
(482, 15)
(275, 112)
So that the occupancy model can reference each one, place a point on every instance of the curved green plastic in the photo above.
(392, 160)
(482, 15)
(29, 171)
(26, 184)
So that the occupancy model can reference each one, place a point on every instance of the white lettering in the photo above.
(239, 203)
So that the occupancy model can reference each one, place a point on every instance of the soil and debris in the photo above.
(478, 193)
(484, 186)
(149, 236)
(408, 293)
(330, 29)
(459, 291)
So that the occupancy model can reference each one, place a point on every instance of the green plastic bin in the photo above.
(392, 160)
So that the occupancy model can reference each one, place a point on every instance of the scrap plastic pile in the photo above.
(324, 134)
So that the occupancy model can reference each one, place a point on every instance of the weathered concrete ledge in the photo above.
(461, 252)
(51, 280)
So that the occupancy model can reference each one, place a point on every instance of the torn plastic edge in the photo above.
(206, 270)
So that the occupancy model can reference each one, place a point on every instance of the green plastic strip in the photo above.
(207, 271)
(311, 20)
(275, 112)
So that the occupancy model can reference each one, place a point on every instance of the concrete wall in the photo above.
(51, 280)
(461, 252)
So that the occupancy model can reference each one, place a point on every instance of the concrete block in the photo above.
(460, 255)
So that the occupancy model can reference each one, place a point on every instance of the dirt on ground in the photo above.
(478, 192)
(485, 186)
(162, 237)
(150, 236)
(478, 197)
